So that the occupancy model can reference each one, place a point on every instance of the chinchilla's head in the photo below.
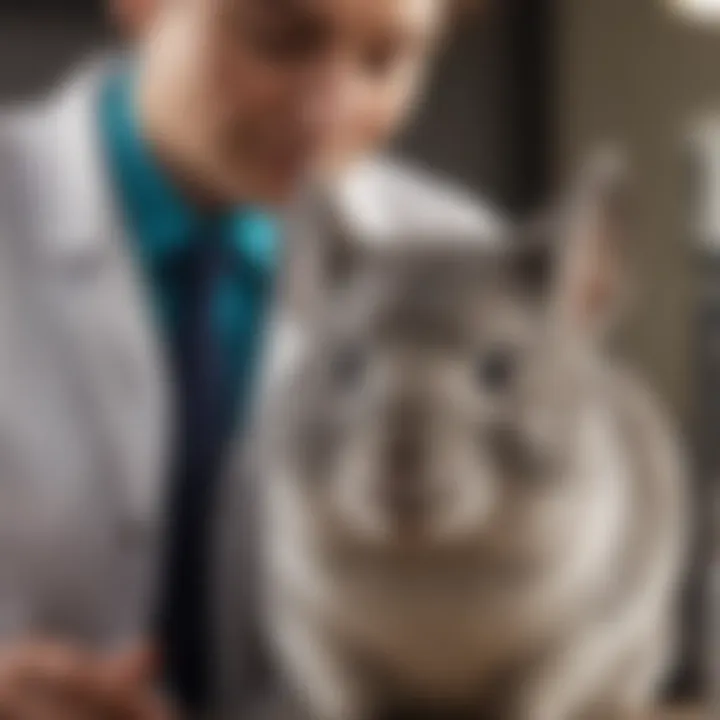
(441, 386)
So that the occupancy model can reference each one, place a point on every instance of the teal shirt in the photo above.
(165, 228)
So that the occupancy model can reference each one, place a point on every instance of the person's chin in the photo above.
(277, 194)
(271, 191)
(280, 184)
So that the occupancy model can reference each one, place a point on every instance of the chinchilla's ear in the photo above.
(323, 253)
(595, 234)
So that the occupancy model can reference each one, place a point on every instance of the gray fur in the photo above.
(472, 539)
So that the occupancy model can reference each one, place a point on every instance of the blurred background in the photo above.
(523, 94)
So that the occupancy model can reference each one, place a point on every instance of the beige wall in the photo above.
(630, 72)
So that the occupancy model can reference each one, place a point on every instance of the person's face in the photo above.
(259, 94)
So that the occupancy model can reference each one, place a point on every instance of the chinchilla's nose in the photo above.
(404, 447)
(403, 453)
(405, 431)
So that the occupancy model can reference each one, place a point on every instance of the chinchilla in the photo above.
(469, 508)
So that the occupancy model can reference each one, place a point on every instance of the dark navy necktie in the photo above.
(204, 414)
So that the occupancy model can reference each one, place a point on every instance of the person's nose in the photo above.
(404, 485)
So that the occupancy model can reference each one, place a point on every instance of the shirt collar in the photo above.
(255, 236)
(165, 222)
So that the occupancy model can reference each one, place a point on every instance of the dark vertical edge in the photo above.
(63, 10)
(532, 26)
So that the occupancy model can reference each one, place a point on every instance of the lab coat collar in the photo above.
(80, 215)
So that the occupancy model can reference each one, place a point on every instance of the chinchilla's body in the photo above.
(469, 510)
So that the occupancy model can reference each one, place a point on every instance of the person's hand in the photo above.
(49, 681)
(127, 682)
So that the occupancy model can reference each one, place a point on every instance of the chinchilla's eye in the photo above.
(495, 369)
(348, 367)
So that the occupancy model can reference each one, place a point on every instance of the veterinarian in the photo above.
(145, 207)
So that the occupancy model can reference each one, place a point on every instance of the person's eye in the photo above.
(381, 59)
(495, 369)
(348, 367)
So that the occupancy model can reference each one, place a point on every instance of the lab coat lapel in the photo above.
(99, 302)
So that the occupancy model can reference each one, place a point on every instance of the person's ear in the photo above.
(133, 17)
(590, 277)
